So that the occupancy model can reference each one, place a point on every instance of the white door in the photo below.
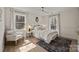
(1, 29)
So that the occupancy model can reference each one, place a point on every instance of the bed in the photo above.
(48, 36)
(44, 34)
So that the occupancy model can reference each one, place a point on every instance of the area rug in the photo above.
(56, 45)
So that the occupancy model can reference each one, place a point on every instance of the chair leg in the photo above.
(16, 42)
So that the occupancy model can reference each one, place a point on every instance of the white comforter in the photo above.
(47, 36)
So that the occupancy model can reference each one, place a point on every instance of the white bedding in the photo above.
(45, 35)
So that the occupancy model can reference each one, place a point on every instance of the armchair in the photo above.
(13, 36)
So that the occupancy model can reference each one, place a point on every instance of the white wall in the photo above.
(8, 18)
(78, 20)
(45, 21)
(68, 22)
(31, 19)
(1, 29)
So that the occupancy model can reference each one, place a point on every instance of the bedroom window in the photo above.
(53, 23)
(20, 21)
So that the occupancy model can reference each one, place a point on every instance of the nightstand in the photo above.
(29, 34)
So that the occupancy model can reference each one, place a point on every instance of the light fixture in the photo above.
(44, 11)
(42, 8)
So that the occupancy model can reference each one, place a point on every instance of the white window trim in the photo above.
(21, 14)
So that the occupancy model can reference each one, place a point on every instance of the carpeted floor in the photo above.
(57, 45)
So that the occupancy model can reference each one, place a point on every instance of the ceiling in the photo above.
(49, 10)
